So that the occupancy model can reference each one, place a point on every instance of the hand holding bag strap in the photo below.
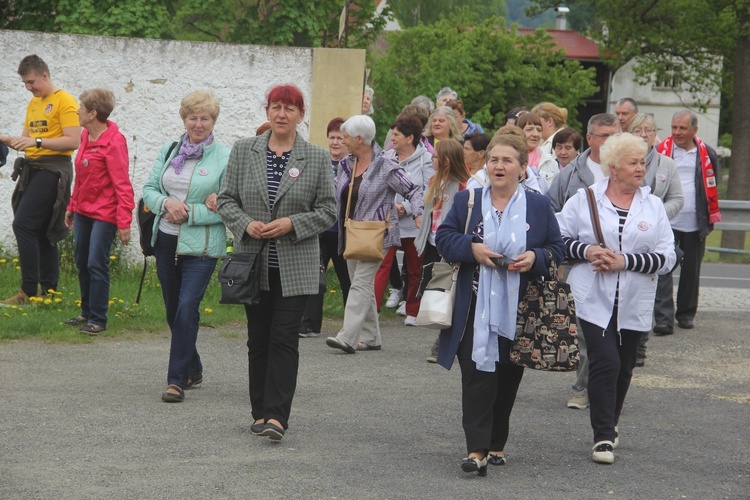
(594, 212)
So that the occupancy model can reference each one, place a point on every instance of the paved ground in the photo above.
(86, 421)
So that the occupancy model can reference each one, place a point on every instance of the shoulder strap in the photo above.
(351, 184)
(468, 214)
(594, 212)
(169, 151)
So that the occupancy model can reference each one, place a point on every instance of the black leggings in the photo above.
(611, 361)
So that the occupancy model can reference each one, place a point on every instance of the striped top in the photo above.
(275, 168)
(646, 263)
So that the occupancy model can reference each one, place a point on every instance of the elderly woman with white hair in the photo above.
(374, 180)
(367, 96)
(614, 282)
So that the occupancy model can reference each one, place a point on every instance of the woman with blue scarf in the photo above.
(189, 235)
(511, 234)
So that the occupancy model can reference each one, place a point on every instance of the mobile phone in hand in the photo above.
(506, 262)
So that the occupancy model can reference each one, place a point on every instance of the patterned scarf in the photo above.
(190, 151)
(709, 175)
(497, 294)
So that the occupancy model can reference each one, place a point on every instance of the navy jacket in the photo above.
(455, 246)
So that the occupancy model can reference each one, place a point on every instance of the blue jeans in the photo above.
(183, 282)
(94, 240)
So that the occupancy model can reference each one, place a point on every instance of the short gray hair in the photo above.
(424, 102)
(360, 125)
(446, 91)
(617, 146)
(602, 120)
(628, 100)
(687, 112)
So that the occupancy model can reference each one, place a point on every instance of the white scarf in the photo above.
(497, 294)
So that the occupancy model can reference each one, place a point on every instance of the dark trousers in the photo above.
(183, 284)
(94, 240)
(611, 361)
(273, 351)
(688, 287)
(487, 398)
(37, 255)
(329, 251)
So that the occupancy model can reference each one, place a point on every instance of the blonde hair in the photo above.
(618, 146)
(641, 119)
(547, 110)
(450, 168)
(197, 101)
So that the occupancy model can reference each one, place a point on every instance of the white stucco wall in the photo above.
(662, 104)
(149, 79)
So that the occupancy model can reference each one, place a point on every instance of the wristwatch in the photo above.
(38, 142)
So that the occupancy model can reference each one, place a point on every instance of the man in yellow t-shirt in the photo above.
(51, 133)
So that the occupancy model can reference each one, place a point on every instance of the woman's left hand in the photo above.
(277, 228)
(418, 221)
(211, 202)
(124, 235)
(524, 262)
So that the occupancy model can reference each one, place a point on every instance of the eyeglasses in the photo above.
(602, 136)
(646, 131)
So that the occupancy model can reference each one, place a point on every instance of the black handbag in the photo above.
(546, 336)
(239, 277)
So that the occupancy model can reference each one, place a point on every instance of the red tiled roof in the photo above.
(575, 45)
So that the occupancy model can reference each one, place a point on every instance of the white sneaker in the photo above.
(394, 298)
(410, 321)
(401, 308)
(580, 402)
(603, 452)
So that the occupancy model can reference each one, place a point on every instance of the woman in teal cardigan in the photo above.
(188, 234)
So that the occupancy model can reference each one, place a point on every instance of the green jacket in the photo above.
(305, 195)
(203, 234)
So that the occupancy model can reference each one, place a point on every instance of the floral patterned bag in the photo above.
(546, 336)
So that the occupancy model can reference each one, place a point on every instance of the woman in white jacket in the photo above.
(614, 290)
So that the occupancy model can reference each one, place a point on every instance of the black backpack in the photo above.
(146, 229)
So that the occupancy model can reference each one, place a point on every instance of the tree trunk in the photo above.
(739, 172)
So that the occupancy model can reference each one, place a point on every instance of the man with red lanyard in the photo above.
(698, 168)
(51, 133)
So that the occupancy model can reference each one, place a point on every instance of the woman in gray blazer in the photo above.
(278, 189)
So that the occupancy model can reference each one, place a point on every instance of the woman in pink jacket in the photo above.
(100, 207)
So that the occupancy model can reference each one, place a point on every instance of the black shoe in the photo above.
(194, 380)
(257, 429)
(340, 344)
(471, 464)
(77, 321)
(273, 431)
(170, 397)
(660, 330)
(306, 332)
(685, 324)
(495, 459)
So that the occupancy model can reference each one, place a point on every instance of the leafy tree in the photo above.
(684, 36)
(412, 12)
(492, 70)
(270, 22)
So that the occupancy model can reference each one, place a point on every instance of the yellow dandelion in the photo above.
(15, 261)
(331, 291)
(78, 303)
(208, 310)
(58, 300)
(14, 307)
(18, 268)
(24, 314)
(3, 261)
(120, 301)
(48, 301)
(7, 315)
(51, 291)
(111, 302)
(59, 310)
(113, 257)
